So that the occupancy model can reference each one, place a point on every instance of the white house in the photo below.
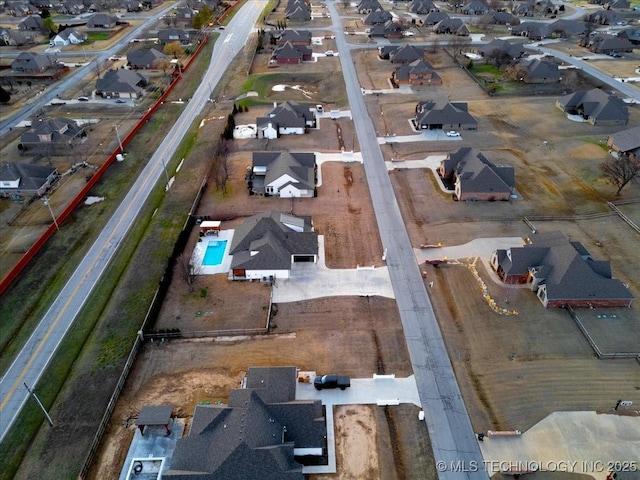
(68, 37)
(283, 174)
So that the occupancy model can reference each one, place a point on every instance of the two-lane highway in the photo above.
(41, 346)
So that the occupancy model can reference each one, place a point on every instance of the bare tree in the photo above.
(498, 57)
(162, 64)
(220, 167)
(188, 270)
(97, 67)
(621, 170)
(458, 45)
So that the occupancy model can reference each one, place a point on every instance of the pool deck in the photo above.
(201, 247)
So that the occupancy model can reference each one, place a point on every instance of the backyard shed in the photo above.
(210, 226)
(154, 415)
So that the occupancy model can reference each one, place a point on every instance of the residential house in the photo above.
(32, 23)
(184, 15)
(378, 17)
(532, 30)
(606, 43)
(289, 54)
(562, 273)
(433, 18)
(132, 5)
(477, 178)
(26, 179)
(389, 29)
(298, 13)
(514, 50)
(170, 35)
(618, 5)
(34, 63)
(12, 38)
(625, 143)
(475, 7)
(52, 136)
(19, 9)
(401, 54)
(72, 7)
(368, 6)
(596, 106)
(422, 7)
(145, 58)
(295, 37)
(441, 114)
(632, 34)
(605, 17)
(451, 26)
(418, 72)
(102, 20)
(267, 245)
(537, 70)
(498, 18)
(121, 83)
(288, 118)
(283, 174)
(263, 433)
(567, 28)
(69, 36)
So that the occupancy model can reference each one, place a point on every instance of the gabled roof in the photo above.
(406, 54)
(604, 41)
(501, 18)
(299, 13)
(477, 174)
(33, 61)
(451, 25)
(514, 50)
(265, 242)
(32, 22)
(626, 140)
(368, 5)
(57, 130)
(566, 268)
(288, 50)
(120, 80)
(378, 16)
(422, 6)
(596, 104)
(290, 114)
(31, 177)
(145, 57)
(441, 112)
(420, 68)
(631, 33)
(295, 36)
(434, 17)
(299, 166)
(173, 34)
(538, 68)
(65, 34)
(102, 19)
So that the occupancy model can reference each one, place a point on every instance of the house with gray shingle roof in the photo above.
(514, 50)
(626, 142)
(169, 35)
(562, 273)
(288, 54)
(406, 54)
(53, 136)
(32, 23)
(267, 245)
(145, 58)
(69, 36)
(12, 37)
(288, 118)
(295, 37)
(605, 17)
(632, 34)
(475, 7)
(379, 16)
(26, 179)
(102, 20)
(537, 70)
(441, 114)
(299, 13)
(605, 43)
(121, 83)
(389, 29)
(422, 7)
(263, 433)
(451, 26)
(283, 174)
(476, 177)
(368, 6)
(418, 72)
(498, 18)
(433, 18)
(596, 106)
(532, 30)
(33, 63)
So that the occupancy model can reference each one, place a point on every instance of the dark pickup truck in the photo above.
(332, 381)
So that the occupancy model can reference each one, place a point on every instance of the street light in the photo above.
(46, 202)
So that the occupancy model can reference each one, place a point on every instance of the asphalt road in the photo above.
(33, 359)
(453, 441)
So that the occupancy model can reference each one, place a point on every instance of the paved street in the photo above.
(41, 346)
(450, 430)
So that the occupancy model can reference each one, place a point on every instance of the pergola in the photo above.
(154, 415)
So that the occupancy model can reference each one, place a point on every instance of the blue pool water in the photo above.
(214, 253)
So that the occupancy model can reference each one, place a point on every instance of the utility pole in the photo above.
(33, 394)
(55, 222)
(119, 141)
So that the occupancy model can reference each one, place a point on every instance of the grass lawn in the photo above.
(97, 36)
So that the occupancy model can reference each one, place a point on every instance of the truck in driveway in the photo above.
(331, 381)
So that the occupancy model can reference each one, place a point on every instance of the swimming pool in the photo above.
(214, 253)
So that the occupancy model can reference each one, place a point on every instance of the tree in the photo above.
(49, 26)
(202, 18)
(498, 57)
(45, 13)
(188, 270)
(174, 49)
(621, 170)
(162, 64)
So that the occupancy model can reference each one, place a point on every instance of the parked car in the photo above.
(614, 54)
(83, 99)
(331, 381)
(329, 53)
(452, 133)
(120, 101)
